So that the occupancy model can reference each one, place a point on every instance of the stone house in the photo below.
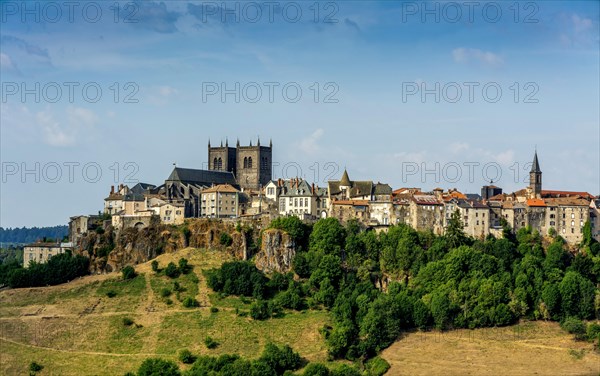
(220, 201)
(42, 252)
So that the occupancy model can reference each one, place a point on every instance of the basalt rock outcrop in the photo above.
(110, 250)
(276, 252)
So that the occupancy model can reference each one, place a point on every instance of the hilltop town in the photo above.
(239, 184)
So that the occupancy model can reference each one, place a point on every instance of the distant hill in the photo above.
(31, 234)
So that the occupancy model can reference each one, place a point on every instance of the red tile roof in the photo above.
(536, 202)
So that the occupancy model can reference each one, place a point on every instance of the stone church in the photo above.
(251, 165)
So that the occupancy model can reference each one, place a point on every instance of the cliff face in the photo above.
(276, 252)
(110, 251)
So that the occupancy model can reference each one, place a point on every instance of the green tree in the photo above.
(328, 236)
(171, 270)
(455, 234)
(316, 369)
(158, 367)
(128, 272)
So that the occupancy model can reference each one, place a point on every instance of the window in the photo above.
(572, 223)
(306, 202)
(572, 215)
(249, 162)
(295, 202)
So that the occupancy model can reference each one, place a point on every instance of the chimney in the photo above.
(112, 189)
(120, 187)
(313, 189)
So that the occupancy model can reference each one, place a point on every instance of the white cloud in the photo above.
(466, 55)
(65, 133)
(457, 147)
(581, 24)
(309, 145)
(7, 64)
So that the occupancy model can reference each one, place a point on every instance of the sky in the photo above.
(413, 94)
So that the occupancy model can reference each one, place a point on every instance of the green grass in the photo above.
(242, 335)
(188, 282)
(72, 329)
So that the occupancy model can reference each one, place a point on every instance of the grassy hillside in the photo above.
(76, 329)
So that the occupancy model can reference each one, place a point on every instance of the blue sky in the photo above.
(167, 56)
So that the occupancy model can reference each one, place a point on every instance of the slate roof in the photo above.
(142, 188)
(134, 197)
(202, 177)
(382, 189)
(535, 166)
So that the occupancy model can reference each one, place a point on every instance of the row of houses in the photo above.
(217, 193)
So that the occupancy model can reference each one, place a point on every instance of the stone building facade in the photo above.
(251, 165)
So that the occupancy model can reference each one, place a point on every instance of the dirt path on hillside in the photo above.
(80, 352)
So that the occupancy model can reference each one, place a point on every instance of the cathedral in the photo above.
(251, 165)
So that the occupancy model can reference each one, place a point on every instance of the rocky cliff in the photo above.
(110, 250)
(276, 252)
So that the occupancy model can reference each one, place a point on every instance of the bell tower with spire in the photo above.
(535, 178)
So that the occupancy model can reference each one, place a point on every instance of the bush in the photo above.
(35, 367)
(183, 265)
(214, 309)
(260, 310)
(158, 367)
(226, 239)
(154, 266)
(111, 293)
(190, 302)
(377, 366)
(210, 343)
(574, 326)
(127, 321)
(171, 270)
(168, 301)
(281, 359)
(128, 272)
(593, 332)
(186, 356)
(316, 369)
(165, 292)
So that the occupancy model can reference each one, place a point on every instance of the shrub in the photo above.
(210, 343)
(154, 266)
(214, 309)
(593, 332)
(168, 301)
(111, 293)
(127, 321)
(190, 302)
(35, 367)
(183, 265)
(177, 287)
(165, 292)
(280, 359)
(574, 326)
(171, 270)
(260, 310)
(316, 369)
(186, 356)
(377, 366)
(226, 239)
(128, 272)
(157, 366)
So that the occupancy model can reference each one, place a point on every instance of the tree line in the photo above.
(378, 285)
(31, 234)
